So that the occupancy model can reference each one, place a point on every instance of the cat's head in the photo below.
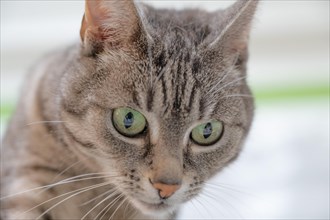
(158, 97)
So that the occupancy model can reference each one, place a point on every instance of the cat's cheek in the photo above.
(71, 142)
(93, 154)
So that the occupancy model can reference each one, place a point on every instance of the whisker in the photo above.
(65, 181)
(44, 122)
(222, 186)
(225, 188)
(73, 181)
(53, 198)
(228, 72)
(196, 207)
(211, 104)
(58, 175)
(124, 216)
(106, 198)
(107, 208)
(236, 95)
(232, 82)
(203, 206)
(75, 194)
(223, 201)
(223, 191)
(68, 168)
(86, 174)
(220, 81)
(112, 192)
(97, 197)
(133, 213)
(104, 210)
(113, 214)
(82, 179)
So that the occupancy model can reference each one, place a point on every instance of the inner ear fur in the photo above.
(114, 23)
(234, 28)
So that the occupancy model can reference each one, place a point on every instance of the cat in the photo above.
(130, 122)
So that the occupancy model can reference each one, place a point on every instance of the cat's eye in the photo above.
(128, 122)
(207, 133)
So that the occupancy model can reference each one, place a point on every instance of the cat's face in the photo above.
(161, 109)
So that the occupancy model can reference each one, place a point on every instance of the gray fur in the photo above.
(178, 68)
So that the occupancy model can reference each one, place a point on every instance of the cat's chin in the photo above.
(154, 209)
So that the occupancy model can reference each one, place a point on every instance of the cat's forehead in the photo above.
(174, 75)
(166, 87)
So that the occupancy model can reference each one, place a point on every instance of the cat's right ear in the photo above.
(114, 24)
(234, 28)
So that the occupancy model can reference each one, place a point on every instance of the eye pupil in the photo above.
(206, 134)
(128, 120)
(207, 130)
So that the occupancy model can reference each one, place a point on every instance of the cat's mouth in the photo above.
(153, 208)
(160, 205)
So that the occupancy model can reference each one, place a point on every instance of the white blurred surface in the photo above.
(283, 172)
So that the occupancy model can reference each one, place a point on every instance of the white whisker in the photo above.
(231, 82)
(131, 214)
(228, 72)
(65, 181)
(202, 205)
(106, 198)
(75, 194)
(223, 201)
(125, 209)
(113, 214)
(44, 122)
(222, 186)
(196, 207)
(53, 198)
(108, 207)
(113, 192)
(237, 95)
(97, 197)
(65, 170)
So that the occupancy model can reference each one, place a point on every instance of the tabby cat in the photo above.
(130, 122)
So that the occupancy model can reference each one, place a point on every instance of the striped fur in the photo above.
(62, 157)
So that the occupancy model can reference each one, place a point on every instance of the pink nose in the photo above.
(166, 190)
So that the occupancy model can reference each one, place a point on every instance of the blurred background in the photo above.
(283, 172)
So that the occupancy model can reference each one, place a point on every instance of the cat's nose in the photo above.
(166, 190)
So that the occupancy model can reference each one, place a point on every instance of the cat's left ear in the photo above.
(233, 32)
(114, 23)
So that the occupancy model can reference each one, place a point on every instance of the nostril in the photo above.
(165, 190)
(162, 196)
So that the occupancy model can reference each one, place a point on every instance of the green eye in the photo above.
(128, 122)
(207, 133)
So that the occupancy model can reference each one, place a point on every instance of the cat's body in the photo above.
(178, 68)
